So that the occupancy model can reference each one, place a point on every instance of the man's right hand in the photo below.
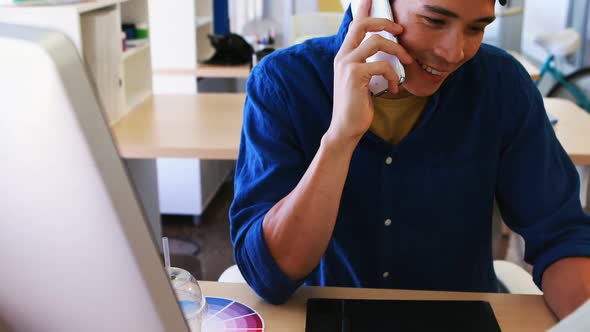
(353, 106)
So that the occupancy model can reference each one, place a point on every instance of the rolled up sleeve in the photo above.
(538, 190)
(269, 166)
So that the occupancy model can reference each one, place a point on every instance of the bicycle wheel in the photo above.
(579, 78)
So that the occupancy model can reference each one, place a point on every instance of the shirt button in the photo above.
(389, 160)
(387, 222)
(385, 274)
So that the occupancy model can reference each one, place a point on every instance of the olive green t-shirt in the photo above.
(395, 118)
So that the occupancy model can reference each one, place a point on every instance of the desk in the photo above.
(207, 126)
(572, 129)
(243, 71)
(528, 66)
(203, 127)
(200, 126)
(211, 71)
(520, 313)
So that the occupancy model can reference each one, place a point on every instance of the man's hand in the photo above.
(353, 106)
(566, 284)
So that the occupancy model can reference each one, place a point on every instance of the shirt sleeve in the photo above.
(269, 166)
(538, 187)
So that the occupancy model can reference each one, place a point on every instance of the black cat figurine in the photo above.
(230, 50)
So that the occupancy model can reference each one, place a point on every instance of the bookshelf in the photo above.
(123, 78)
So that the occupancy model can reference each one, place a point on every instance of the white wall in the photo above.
(542, 16)
(305, 6)
(280, 11)
(243, 11)
(247, 16)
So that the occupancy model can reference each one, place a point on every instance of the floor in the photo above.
(204, 248)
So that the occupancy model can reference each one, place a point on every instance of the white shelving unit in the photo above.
(137, 75)
(123, 79)
(186, 186)
(202, 21)
(130, 52)
(204, 26)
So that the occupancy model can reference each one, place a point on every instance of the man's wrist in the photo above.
(340, 144)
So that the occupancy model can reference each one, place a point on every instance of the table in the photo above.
(200, 126)
(243, 71)
(528, 66)
(520, 313)
(210, 71)
(572, 129)
(208, 126)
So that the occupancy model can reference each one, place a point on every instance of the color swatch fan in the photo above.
(224, 315)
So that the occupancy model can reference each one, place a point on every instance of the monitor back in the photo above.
(76, 253)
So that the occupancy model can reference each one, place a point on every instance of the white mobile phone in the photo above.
(381, 9)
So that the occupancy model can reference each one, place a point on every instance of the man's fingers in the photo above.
(384, 69)
(363, 9)
(359, 28)
(375, 44)
(393, 86)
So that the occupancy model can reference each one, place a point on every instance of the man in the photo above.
(335, 187)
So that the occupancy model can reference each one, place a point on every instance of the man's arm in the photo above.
(285, 207)
(538, 194)
(298, 228)
(566, 284)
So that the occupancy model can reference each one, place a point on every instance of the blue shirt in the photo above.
(483, 135)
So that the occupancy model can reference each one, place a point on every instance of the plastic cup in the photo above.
(190, 298)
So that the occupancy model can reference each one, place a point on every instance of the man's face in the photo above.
(440, 35)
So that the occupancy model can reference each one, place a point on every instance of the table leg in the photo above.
(144, 175)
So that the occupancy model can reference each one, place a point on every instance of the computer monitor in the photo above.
(76, 253)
